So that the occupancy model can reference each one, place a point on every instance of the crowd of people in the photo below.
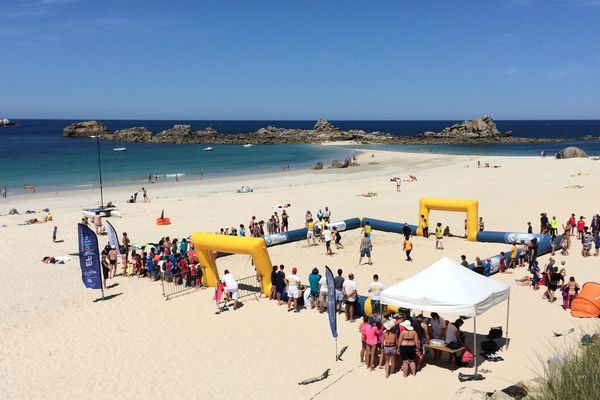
(170, 259)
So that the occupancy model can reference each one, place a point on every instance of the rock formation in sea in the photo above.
(86, 128)
(573, 152)
(482, 130)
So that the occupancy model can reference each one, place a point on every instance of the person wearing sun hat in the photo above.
(408, 344)
(389, 347)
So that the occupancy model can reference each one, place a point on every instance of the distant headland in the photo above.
(482, 130)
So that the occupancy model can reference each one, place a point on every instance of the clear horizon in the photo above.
(300, 60)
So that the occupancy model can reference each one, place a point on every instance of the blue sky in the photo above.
(300, 59)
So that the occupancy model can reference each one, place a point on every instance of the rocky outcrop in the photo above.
(6, 122)
(482, 128)
(86, 129)
(318, 165)
(325, 126)
(479, 131)
(573, 152)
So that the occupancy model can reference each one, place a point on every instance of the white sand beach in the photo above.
(58, 343)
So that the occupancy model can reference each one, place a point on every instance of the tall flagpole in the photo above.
(99, 171)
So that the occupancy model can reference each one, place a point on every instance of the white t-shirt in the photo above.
(229, 282)
(323, 283)
(437, 327)
(327, 235)
(375, 289)
(350, 287)
(451, 332)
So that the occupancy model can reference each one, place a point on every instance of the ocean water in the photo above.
(36, 152)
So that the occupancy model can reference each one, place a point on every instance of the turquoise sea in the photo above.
(36, 152)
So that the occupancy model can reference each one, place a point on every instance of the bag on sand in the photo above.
(489, 346)
(467, 356)
(495, 333)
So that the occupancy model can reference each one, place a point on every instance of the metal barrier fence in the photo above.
(176, 284)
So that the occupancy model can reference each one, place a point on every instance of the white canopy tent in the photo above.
(448, 287)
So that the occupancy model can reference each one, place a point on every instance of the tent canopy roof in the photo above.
(447, 287)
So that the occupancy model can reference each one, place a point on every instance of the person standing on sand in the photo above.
(146, 200)
(366, 245)
(280, 284)
(408, 346)
(126, 244)
(273, 291)
(338, 283)
(439, 237)
(3, 192)
(375, 289)
(112, 260)
(424, 226)
(54, 232)
(292, 283)
(284, 221)
(350, 295)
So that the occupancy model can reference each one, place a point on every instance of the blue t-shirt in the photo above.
(183, 248)
(313, 280)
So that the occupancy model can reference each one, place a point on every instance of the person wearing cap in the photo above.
(231, 288)
(313, 282)
(408, 345)
(389, 346)
(292, 282)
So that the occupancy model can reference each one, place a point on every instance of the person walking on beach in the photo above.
(424, 226)
(338, 238)
(3, 192)
(366, 245)
(310, 233)
(350, 295)
(407, 249)
(54, 232)
(327, 237)
(439, 237)
(145, 192)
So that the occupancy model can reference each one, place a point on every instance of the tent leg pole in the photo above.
(475, 343)
(507, 314)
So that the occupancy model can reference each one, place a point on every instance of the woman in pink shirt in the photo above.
(363, 338)
(372, 336)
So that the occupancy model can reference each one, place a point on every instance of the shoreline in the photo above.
(124, 187)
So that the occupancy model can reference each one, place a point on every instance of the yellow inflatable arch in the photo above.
(204, 243)
(471, 207)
